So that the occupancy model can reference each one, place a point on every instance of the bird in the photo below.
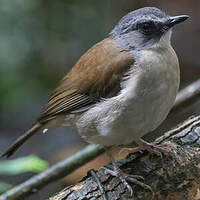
(119, 90)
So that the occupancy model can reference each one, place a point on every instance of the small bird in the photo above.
(120, 89)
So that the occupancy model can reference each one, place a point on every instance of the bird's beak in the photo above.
(176, 20)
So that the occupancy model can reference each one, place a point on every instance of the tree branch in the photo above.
(187, 95)
(170, 179)
(70, 164)
(54, 173)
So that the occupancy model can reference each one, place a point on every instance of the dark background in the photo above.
(41, 40)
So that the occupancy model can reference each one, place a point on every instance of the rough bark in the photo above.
(171, 178)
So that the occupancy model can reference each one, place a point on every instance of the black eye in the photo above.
(147, 27)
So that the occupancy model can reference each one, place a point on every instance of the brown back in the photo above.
(96, 75)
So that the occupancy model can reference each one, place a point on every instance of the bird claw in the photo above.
(159, 149)
(125, 178)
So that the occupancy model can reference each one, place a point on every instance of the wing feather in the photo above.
(96, 75)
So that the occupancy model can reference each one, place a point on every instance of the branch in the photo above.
(54, 173)
(170, 179)
(70, 164)
(188, 95)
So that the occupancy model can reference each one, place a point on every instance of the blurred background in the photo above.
(41, 40)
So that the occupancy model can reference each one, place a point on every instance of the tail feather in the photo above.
(21, 140)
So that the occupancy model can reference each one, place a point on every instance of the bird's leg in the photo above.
(152, 148)
(102, 191)
(125, 178)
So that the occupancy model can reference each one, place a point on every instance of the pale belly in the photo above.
(141, 107)
(123, 125)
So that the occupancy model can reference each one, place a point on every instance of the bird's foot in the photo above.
(152, 148)
(125, 178)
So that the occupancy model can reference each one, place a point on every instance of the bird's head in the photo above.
(145, 27)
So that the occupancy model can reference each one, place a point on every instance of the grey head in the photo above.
(144, 27)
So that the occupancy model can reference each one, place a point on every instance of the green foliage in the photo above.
(26, 164)
(21, 165)
(4, 187)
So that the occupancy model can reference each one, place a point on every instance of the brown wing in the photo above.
(96, 75)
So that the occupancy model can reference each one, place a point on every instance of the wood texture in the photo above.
(170, 179)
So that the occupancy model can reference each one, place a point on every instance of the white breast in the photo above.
(144, 102)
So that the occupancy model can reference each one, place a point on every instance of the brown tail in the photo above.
(21, 140)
